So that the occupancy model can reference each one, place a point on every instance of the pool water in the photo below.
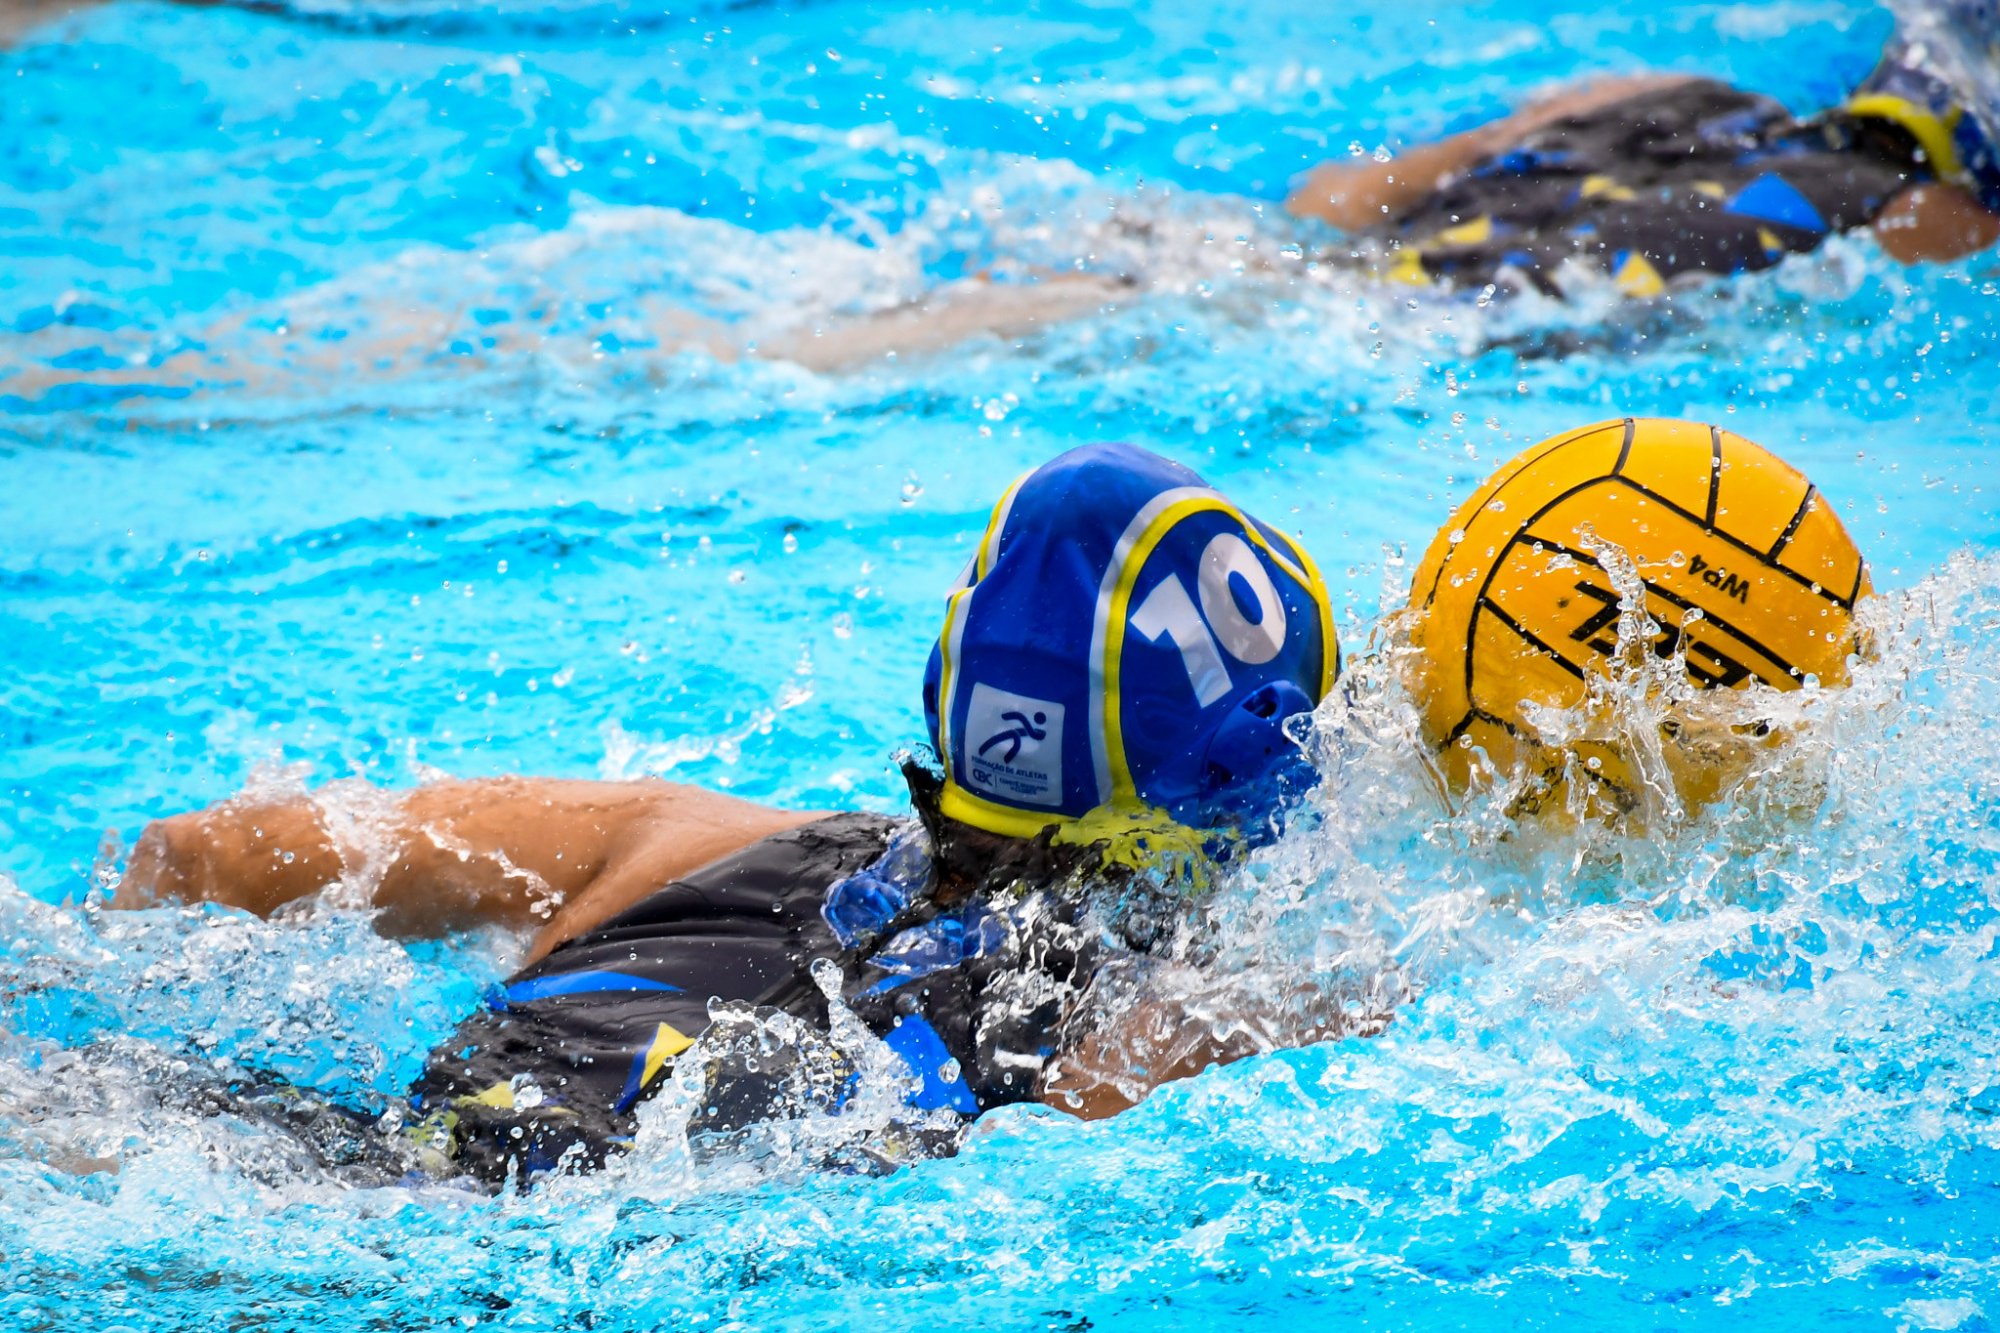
(456, 504)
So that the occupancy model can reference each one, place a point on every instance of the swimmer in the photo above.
(1109, 697)
(1653, 180)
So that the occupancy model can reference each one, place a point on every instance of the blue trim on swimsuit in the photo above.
(1772, 198)
(920, 1047)
(579, 983)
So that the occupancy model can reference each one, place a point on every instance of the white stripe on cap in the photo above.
(1100, 753)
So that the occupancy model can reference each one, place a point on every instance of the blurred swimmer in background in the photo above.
(1650, 180)
(1109, 695)
(1644, 184)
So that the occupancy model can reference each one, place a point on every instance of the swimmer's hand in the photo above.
(1118, 1063)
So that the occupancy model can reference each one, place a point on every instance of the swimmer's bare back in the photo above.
(553, 856)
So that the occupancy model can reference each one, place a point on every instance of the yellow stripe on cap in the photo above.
(1139, 836)
(958, 803)
(1329, 656)
(1931, 131)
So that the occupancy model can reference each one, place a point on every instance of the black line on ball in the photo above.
(1473, 715)
(1532, 639)
(1860, 577)
(1714, 473)
(1625, 449)
(1526, 461)
(1472, 621)
(1622, 796)
(1458, 729)
(1844, 603)
(1791, 528)
(1674, 599)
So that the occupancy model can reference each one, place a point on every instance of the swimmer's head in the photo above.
(1939, 79)
(1121, 657)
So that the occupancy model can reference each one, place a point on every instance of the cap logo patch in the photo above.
(1015, 749)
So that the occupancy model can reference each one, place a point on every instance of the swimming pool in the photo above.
(1749, 1074)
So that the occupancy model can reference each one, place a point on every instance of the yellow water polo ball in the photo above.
(1747, 572)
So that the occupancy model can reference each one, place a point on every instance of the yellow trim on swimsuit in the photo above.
(1600, 186)
(1408, 266)
(1476, 232)
(1637, 277)
(668, 1042)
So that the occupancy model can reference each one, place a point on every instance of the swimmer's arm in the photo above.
(550, 856)
(1355, 196)
(1934, 223)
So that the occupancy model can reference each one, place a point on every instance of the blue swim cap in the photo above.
(1939, 78)
(1125, 644)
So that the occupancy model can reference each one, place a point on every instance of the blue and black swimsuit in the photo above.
(1691, 178)
(970, 997)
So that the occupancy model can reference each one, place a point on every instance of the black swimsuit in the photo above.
(1697, 177)
(970, 998)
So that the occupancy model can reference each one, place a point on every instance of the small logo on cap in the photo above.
(1017, 747)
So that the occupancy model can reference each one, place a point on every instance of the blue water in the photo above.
(1746, 1072)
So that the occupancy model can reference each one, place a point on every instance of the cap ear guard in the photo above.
(1250, 763)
